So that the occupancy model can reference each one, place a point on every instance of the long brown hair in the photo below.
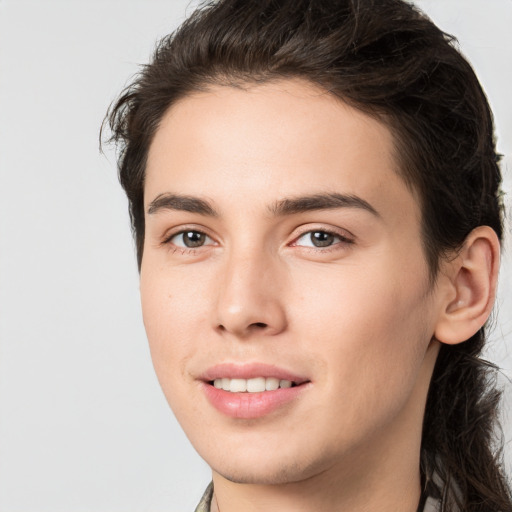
(389, 60)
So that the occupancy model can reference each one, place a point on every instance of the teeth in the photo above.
(238, 385)
(271, 384)
(256, 385)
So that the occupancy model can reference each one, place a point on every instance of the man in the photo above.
(315, 198)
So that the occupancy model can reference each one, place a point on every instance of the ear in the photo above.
(471, 283)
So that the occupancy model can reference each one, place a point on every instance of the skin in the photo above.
(356, 317)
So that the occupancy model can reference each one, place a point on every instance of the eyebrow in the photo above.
(181, 203)
(321, 202)
(283, 207)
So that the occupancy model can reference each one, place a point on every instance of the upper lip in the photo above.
(250, 371)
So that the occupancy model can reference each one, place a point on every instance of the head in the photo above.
(380, 61)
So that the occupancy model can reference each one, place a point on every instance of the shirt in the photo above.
(427, 504)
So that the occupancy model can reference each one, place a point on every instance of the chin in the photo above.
(286, 474)
(274, 469)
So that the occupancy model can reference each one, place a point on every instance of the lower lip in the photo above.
(251, 405)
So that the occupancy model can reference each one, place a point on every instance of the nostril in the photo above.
(261, 325)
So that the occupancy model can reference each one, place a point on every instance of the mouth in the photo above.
(254, 385)
(252, 391)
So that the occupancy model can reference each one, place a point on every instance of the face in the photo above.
(284, 288)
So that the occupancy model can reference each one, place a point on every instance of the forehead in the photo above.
(273, 140)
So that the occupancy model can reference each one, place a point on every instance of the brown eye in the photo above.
(190, 239)
(321, 238)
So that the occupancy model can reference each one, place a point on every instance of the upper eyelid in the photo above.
(172, 232)
(342, 233)
(166, 239)
(342, 240)
(333, 233)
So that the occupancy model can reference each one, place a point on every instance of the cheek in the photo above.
(370, 327)
(172, 312)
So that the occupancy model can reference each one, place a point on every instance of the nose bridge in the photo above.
(249, 298)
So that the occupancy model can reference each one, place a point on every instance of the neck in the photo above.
(383, 484)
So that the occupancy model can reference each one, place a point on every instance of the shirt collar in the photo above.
(427, 504)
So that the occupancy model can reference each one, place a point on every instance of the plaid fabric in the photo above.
(204, 504)
(426, 505)
(432, 505)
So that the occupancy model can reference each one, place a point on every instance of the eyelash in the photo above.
(341, 240)
(168, 240)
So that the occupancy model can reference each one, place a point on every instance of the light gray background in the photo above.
(83, 423)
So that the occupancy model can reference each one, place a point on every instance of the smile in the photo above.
(254, 390)
(254, 385)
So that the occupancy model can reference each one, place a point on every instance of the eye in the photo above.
(320, 238)
(190, 239)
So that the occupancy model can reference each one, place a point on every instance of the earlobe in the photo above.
(472, 276)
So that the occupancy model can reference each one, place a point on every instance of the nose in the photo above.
(250, 299)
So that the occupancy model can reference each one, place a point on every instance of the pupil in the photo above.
(193, 239)
(322, 239)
